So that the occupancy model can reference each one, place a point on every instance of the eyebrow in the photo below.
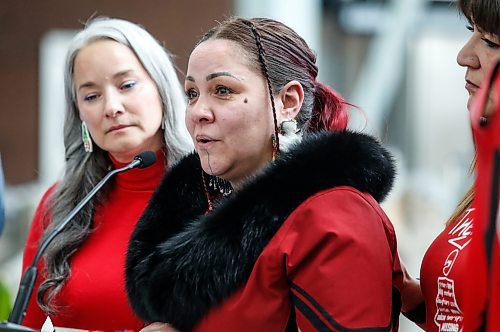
(221, 73)
(118, 74)
(213, 75)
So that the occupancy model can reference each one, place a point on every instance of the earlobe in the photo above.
(292, 96)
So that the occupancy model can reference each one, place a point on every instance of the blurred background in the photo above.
(394, 59)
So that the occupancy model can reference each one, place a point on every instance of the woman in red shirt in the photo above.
(123, 97)
(443, 266)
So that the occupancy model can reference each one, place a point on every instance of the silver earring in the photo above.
(220, 185)
(288, 127)
(289, 134)
(87, 141)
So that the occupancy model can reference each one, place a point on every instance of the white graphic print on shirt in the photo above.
(449, 317)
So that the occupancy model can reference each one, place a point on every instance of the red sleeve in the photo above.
(481, 305)
(35, 317)
(340, 257)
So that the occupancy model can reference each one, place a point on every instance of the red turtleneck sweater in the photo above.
(94, 297)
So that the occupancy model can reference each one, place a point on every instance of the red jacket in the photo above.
(304, 245)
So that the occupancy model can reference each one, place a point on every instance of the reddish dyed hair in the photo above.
(329, 111)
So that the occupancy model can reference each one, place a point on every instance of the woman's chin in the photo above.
(210, 167)
(470, 102)
(488, 109)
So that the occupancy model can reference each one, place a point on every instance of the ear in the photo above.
(291, 96)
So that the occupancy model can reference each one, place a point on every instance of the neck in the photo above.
(239, 183)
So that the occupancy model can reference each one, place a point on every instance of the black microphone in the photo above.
(16, 317)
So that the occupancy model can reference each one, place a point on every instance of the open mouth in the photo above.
(203, 140)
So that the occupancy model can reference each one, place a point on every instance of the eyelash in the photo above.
(125, 86)
(190, 94)
(90, 97)
(128, 85)
(218, 89)
(488, 42)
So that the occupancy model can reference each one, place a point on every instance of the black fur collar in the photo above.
(182, 261)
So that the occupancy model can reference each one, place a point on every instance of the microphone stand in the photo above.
(28, 281)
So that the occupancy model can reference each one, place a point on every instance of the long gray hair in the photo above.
(83, 170)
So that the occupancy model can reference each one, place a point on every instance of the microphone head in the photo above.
(146, 158)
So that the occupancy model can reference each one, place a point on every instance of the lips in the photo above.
(204, 141)
(117, 127)
(471, 87)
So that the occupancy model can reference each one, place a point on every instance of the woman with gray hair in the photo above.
(123, 97)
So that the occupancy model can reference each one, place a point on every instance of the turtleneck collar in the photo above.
(141, 178)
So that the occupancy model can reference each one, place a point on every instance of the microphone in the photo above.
(142, 160)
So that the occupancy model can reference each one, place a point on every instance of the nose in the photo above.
(200, 112)
(467, 56)
(113, 105)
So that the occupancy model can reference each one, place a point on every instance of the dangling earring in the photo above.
(87, 141)
(163, 122)
(483, 121)
(289, 134)
(275, 146)
(288, 127)
(221, 185)
(207, 194)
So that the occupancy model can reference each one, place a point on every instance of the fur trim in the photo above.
(182, 261)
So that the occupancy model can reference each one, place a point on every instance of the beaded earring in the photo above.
(275, 146)
(87, 141)
(207, 194)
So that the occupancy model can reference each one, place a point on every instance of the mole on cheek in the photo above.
(245, 100)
